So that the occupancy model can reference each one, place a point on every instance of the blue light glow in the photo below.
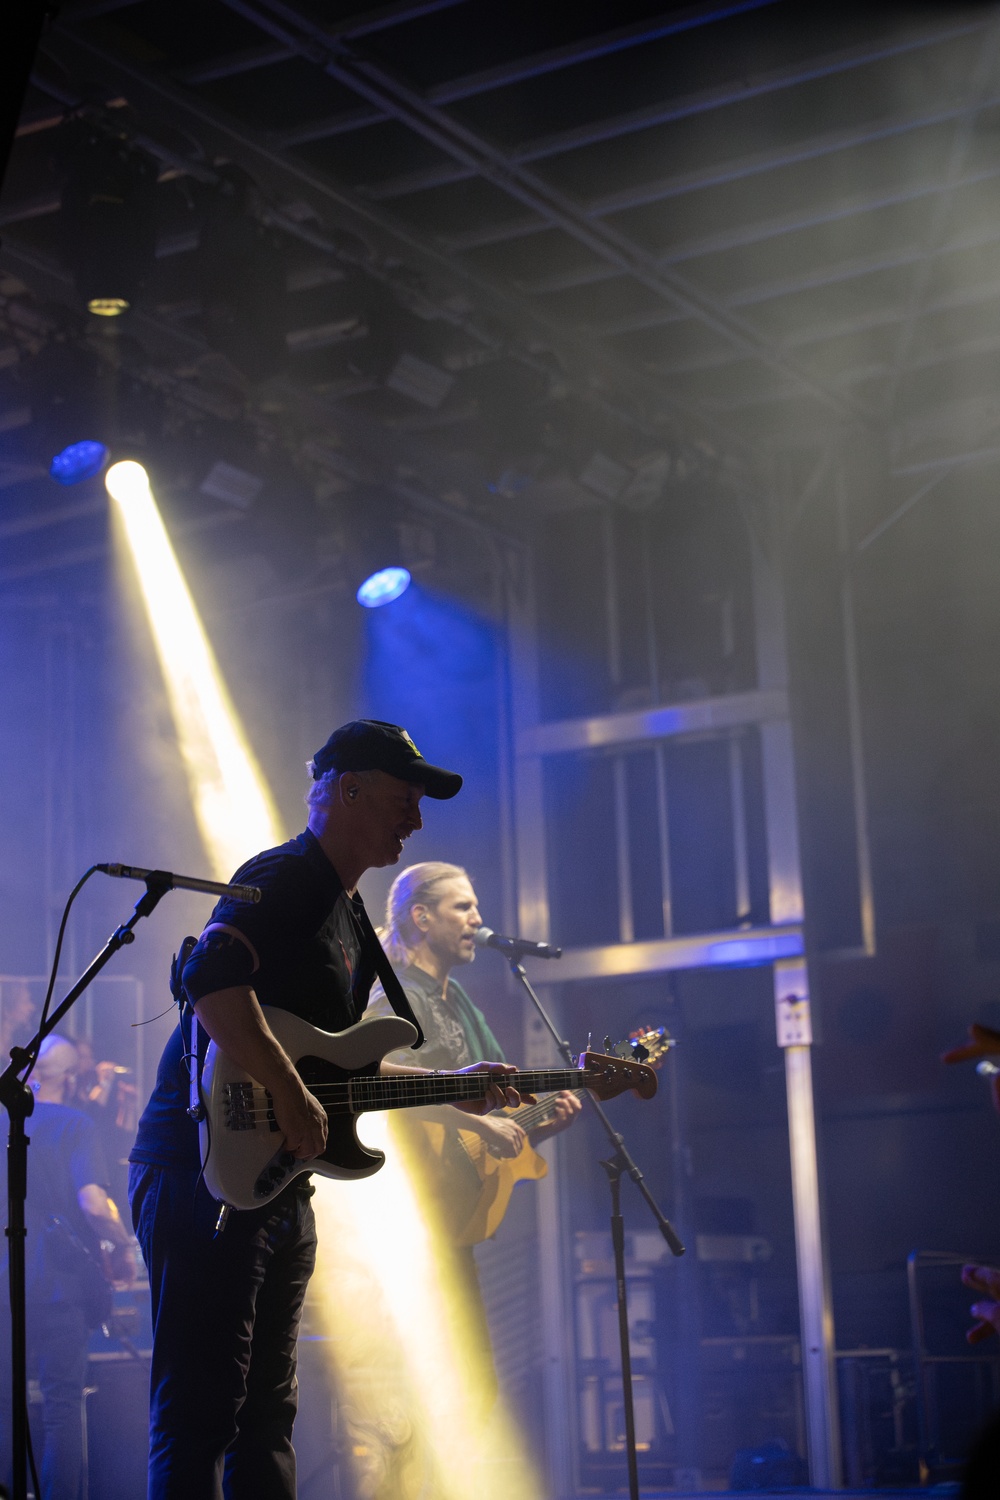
(765, 949)
(78, 462)
(383, 587)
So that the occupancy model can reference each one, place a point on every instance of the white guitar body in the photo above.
(243, 1159)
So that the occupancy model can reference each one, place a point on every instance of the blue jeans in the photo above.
(226, 1312)
(57, 1355)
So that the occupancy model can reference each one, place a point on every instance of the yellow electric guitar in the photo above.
(471, 1183)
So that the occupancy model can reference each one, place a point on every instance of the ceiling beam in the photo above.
(812, 148)
(642, 195)
(558, 143)
(981, 85)
(378, 88)
(952, 301)
(588, 48)
(384, 17)
(231, 64)
(738, 91)
(965, 349)
(736, 170)
(704, 101)
(857, 266)
(736, 238)
(234, 64)
(815, 279)
(951, 461)
(342, 123)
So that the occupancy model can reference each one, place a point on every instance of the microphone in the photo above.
(485, 937)
(182, 882)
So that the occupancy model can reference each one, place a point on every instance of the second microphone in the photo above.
(514, 947)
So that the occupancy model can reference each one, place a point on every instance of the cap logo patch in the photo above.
(412, 746)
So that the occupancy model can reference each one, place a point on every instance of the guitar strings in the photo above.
(428, 1083)
(340, 1094)
(258, 1110)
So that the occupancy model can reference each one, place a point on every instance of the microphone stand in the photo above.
(18, 1100)
(619, 1164)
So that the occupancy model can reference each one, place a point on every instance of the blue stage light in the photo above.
(77, 462)
(383, 587)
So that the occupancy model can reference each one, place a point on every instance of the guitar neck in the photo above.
(408, 1090)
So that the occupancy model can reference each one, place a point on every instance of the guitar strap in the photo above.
(394, 992)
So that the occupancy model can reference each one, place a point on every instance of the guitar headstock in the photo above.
(655, 1042)
(650, 1045)
(607, 1077)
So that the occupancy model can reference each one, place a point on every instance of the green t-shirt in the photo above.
(456, 1032)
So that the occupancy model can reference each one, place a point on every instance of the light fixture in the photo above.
(107, 307)
(383, 587)
(108, 220)
(78, 461)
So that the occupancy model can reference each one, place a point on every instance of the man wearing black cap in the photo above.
(226, 1307)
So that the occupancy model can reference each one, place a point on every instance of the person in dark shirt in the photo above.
(69, 1217)
(226, 1307)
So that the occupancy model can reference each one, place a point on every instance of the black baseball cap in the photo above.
(373, 745)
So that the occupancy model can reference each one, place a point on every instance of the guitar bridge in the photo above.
(239, 1106)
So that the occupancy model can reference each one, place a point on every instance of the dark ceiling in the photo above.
(525, 252)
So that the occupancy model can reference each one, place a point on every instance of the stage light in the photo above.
(108, 220)
(107, 307)
(78, 461)
(382, 587)
(232, 803)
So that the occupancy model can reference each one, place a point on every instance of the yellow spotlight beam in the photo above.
(232, 803)
(415, 1384)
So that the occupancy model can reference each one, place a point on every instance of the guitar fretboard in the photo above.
(405, 1090)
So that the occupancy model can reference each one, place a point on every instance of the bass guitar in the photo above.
(243, 1158)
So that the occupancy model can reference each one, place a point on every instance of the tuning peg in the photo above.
(639, 1052)
(607, 1045)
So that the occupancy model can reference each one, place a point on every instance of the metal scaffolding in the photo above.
(778, 942)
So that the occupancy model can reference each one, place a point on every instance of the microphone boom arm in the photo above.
(623, 1159)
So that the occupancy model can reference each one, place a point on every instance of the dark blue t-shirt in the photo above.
(311, 961)
(64, 1156)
